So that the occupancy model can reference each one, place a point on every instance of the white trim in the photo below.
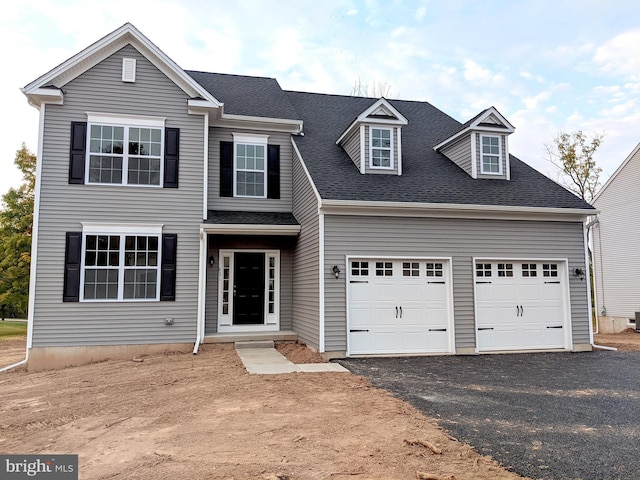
(267, 325)
(249, 229)
(126, 120)
(40, 96)
(474, 154)
(306, 172)
(205, 179)
(36, 231)
(256, 141)
(566, 311)
(364, 118)
(482, 155)
(202, 291)
(587, 279)
(475, 125)
(616, 173)
(416, 209)
(398, 130)
(507, 162)
(371, 148)
(128, 70)
(363, 151)
(124, 228)
(450, 301)
(259, 123)
(108, 45)
(251, 139)
(321, 323)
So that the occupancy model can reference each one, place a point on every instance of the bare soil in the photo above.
(298, 352)
(204, 417)
(627, 341)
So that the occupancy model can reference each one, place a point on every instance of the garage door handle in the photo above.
(396, 312)
(485, 328)
(437, 329)
(557, 326)
(552, 282)
(358, 331)
(359, 281)
(400, 312)
(477, 283)
(440, 283)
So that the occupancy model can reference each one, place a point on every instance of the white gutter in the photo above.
(14, 365)
(202, 284)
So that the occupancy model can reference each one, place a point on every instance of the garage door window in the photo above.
(505, 269)
(384, 269)
(483, 269)
(410, 269)
(360, 269)
(434, 270)
(529, 270)
(549, 269)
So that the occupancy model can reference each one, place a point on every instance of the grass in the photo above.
(12, 329)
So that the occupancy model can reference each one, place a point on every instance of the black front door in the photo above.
(248, 289)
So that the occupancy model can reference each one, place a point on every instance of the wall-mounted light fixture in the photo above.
(336, 271)
(211, 260)
(578, 272)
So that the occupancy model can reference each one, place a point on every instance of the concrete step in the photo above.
(255, 344)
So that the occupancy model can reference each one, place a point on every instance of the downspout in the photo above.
(588, 277)
(202, 282)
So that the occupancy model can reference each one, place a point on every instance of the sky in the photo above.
(547, 66)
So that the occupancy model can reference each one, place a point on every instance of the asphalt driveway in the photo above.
(544, 415)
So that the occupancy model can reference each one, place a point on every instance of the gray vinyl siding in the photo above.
(460, 239)
(306, 259)
(216, 202)
(351, 145)
(503, 157)
(460, 153)
(63, 207)
(616, 244)
(217, 243)
(394, 153)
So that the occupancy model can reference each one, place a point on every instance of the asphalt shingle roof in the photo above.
(428, 176)
(250, 218)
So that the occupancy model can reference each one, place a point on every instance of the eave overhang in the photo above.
(250, 229)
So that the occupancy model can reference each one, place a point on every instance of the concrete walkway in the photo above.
(263, 359)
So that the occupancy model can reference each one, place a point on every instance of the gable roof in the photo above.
(428, 176)
(489, 119)
(103, 48)
(380, 111)
(616, 173)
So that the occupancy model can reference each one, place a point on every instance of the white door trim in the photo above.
(450, 302)
(271, 320)
(567, 325)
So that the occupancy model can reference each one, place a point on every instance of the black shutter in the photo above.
(273, 171)
(72, 254)
(168, 267)
(171, 157)
(78, 152)
(226, 169)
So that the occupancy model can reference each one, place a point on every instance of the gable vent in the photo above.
(129, 70)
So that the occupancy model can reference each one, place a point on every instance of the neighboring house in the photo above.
(616, 250)
(177, 207)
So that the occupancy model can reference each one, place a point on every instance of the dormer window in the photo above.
(381, 148)
(490, 163)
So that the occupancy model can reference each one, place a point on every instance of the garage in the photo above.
(521, 305)
(399, 306)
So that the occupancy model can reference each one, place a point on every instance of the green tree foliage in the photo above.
(16, 223)
(572, 154)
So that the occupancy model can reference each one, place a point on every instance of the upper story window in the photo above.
(381, 147)
(125, 151)
(250, 170)
(490, 155)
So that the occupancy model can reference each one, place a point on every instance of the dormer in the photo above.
(481, 147)
(373, 141)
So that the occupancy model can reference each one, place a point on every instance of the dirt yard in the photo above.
(203, 417)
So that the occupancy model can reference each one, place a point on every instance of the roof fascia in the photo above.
(474, 126)
(250, 229)
(616, 173)
(363, 118)
(401, 209)
(259, 123)
(39, 96)
(108, 45)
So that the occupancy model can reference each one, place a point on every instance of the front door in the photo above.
(248, 289)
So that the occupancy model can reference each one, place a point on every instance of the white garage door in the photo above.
(520, 305)
(399, 306)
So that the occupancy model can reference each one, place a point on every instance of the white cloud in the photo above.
(474, 72)
(620, 55)
(420, 13)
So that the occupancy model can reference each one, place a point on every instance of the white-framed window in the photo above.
(434, 270)
(125, 150)
(410, 269)
(359, 269)
(483, 269)
(384, 269)
(120, 263)
(381, 148)
(490, 158)
(250, 165)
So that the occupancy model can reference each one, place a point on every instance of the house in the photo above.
(616, 251)
(178, 207)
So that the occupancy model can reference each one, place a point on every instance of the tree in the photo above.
(573, 154)
(16, 223)
(376, 89)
